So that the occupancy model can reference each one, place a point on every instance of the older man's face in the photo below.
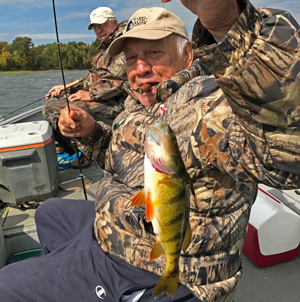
(103, 30)
(153, 61)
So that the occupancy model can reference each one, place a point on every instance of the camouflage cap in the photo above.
(149, 24)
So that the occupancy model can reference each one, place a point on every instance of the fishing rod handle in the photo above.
(68, 86)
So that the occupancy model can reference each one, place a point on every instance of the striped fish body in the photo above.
(166, 196)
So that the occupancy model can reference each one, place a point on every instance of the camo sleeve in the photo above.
(257, 66)
(105, 79)
(96, 144)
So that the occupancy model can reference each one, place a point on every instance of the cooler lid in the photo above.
(278, 227)
(22, 134)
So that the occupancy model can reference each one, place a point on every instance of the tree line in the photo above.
(21, 54)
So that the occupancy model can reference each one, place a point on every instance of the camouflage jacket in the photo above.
(105, 78)
(230, 139)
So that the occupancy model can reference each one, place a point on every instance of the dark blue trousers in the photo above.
(74, 267)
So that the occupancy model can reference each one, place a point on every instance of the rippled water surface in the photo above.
(17, 90)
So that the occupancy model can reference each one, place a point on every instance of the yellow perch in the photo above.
(166, 196)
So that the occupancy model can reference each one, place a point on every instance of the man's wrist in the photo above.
(92, 130)
(95, 135)
(88, 96)
(219, 35)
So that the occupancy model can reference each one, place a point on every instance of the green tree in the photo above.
(51, 56)
(37, 57)
(22, 54)
(96, 43)
(20, 62)
(23, 46)
(2, 45)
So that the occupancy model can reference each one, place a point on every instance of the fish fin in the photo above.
(187, 239)
(149, 208)
(167, 179)
(166, 284)
(157, 250)
(139, 199)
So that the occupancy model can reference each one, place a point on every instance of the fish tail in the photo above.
(168, 284)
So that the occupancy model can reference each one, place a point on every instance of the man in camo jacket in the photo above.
(100, 92)
(235, 129)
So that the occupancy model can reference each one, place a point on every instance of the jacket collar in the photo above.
(113, 35)
(169, 87)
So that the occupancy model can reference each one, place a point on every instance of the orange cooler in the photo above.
(28, 162)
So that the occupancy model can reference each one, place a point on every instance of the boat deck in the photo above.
(276, 283)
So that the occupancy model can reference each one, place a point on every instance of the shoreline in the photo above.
(33, 71)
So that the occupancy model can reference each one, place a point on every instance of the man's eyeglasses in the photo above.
(99, 26)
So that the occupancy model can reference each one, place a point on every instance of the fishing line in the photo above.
(74, 141)
(2, 117)
(47, 95)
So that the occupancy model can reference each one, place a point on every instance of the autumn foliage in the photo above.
(21, 54)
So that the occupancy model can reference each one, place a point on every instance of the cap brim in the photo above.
(117, 46)
(97, 21)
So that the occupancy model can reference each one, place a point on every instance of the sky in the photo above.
(35, 18)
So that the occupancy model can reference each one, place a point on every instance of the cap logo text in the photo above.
(137, 21)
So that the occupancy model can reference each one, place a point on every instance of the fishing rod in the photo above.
(74, 141)
(45, 96)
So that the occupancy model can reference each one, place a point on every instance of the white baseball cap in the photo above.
(149, 24)
(100, 16)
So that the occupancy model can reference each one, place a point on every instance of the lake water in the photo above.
(17, 90)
